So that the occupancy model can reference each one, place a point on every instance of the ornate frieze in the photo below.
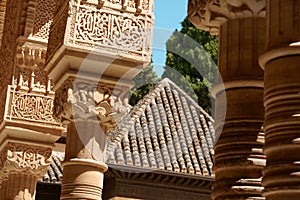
(210, 14)
(79, 99)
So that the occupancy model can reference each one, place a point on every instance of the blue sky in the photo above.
(168, 15)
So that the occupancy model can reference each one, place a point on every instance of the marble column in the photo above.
(239, 158)
(282, 100)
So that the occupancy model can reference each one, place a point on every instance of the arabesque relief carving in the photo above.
(96, 27)
(45, 11)
(31, 107)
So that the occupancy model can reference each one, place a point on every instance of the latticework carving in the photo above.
(44, 17)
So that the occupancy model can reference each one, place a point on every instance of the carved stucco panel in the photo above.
(85, 25)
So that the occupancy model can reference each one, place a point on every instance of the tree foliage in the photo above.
(191, 62)
(144, 82)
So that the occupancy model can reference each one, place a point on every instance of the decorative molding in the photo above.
(193, 182)
(87, 100)
(210, 14)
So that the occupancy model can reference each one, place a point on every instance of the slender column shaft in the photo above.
(282, 100)
(84, 167)
(239, 159)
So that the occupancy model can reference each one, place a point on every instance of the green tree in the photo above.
(191, 62)
(144, 82)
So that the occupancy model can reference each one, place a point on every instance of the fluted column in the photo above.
(282, 100)
(239, 158)
(94, 51)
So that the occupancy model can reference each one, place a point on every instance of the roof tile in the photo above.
(166, 130)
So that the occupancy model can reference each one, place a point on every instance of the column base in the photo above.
(83, 179)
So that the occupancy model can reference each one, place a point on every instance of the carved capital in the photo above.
(24, 158)
(81, 99)
(210, 14)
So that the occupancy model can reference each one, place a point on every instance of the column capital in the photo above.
(209, 15)
(24, 158)
(87, 100)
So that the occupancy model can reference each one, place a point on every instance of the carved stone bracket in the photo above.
(210, 14)
(79, 99)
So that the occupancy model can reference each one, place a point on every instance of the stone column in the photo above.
(89, 111)
(239, 158)
(282, 100)
(94, 51)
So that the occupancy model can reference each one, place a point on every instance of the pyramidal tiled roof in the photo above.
(166, 130)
